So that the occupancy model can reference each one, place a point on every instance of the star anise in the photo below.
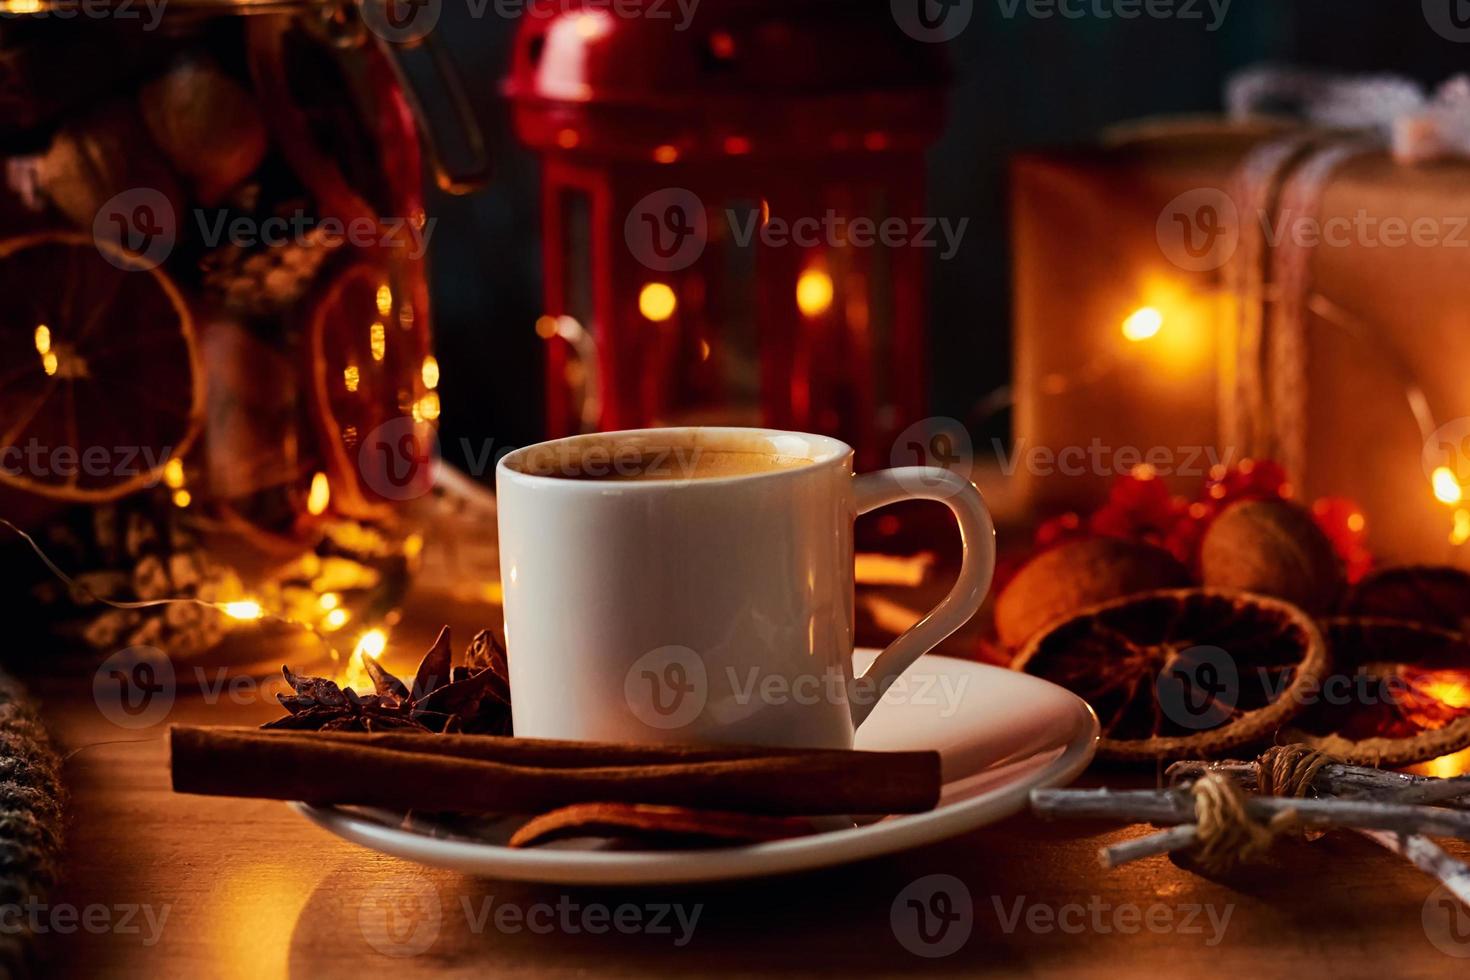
(474, 699)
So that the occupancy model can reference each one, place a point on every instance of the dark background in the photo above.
(1020, 82)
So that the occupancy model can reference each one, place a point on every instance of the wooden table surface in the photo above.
(237, 888)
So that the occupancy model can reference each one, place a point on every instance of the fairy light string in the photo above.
(240, 610)
(1147, 323)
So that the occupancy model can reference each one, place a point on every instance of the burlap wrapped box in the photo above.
(1324, 323)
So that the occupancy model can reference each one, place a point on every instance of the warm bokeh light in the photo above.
(814, 292)
(372, 643)
(329, 600)
(378, 340)
(657, 301)
(1452, 692)
(244, 609)
(666, 153)
(385, 300)
(567, 138)
(737, 145)
(1446, 766)
(1460, 533)
(351, 377)
(413, 546)
(1143, 324)
(183, 498)
(43, 340)
(905, 571)
(1447, 489)
(173, 473)
(319, 496)
(546, 327)
(335, 619)
(49, 363)
(426, 409)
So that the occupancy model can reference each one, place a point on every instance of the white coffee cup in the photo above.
(690, 608)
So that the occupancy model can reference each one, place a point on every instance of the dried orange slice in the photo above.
(1405, 695)
(1429, 595)
(101, 382)
(368, 353)
(1183, 672)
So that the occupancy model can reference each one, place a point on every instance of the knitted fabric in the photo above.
(31, 809)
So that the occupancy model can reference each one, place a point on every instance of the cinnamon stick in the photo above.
(553, 754)
(425, 773)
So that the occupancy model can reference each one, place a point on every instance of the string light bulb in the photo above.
(1447, 489)
(1460, 533)
(319, 496)
(378, 340)
(373, 643)
(657, 302)
(1143, 324)
(244, 610)
(814, 292)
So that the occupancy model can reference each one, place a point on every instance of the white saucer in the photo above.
(1000, 734)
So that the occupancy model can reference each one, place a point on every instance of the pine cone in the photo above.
(136, 549)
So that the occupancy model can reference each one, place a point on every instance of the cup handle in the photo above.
(977, 533)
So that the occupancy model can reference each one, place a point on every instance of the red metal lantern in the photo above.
(713, 195)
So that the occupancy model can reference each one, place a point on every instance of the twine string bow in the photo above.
(1264, 411)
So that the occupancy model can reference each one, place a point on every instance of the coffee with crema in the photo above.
(635, 464)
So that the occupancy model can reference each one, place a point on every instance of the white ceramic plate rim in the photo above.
(569, 867)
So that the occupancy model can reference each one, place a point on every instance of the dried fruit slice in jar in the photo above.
(373, 394)
(100, 377)
(1400, 694)
(1183, 672)
(1429, 595)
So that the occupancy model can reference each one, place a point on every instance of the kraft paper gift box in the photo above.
(1339, 359)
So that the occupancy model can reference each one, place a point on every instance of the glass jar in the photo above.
(216, 371)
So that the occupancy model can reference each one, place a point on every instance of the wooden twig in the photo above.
(1445, 792)
(1177, 838)
(1176, 807)
(1339, 779)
